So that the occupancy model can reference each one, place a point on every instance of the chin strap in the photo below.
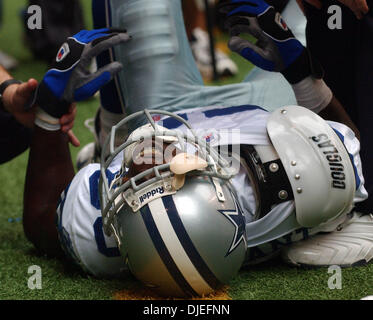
(270, 182)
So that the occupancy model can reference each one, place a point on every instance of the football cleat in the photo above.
(350, 244)
(200, 45)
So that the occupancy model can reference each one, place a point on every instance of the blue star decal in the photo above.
(238, 220)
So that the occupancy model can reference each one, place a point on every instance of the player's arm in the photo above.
(278, 50)
(334, 111)
(15, 99)
(15, 95)
(50, 168)
(49, 171)
(315, 95)
(358, 7)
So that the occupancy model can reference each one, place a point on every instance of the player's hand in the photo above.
(276, 49)
(69, 79)
(358, 7)
(67, 123)
(15, 98)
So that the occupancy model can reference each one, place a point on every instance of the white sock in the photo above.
(46, 121)
(313, 94)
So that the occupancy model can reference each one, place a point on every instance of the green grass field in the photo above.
(269, 281)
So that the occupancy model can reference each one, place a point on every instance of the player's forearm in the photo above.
(7, 95)
(49, 172)
(4, 75)
(335, 112)
(315, 95)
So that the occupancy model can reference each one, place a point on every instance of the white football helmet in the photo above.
(317, 164)
(177, 224)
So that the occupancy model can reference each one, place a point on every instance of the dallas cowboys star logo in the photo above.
(237, 219)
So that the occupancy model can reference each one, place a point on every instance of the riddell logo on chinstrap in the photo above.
(151, 194)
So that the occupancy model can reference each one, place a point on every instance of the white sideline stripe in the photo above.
(175, 248)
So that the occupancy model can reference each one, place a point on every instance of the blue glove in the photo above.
(69, 78)
(276, 49)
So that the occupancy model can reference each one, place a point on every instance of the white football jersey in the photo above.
(79, 224)
(79, 215)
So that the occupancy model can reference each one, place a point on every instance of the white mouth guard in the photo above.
(183, 163)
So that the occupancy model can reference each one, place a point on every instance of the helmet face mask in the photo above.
(172, 210)
(147, 154)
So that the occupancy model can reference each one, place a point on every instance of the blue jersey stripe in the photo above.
(164, 253)
(219, 112)
(172, 123)
(357, 178)
(100, 241)
(188, 245)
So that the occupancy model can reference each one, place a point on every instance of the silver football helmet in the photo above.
(177, 224)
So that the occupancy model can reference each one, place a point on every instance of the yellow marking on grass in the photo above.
(142, 293)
